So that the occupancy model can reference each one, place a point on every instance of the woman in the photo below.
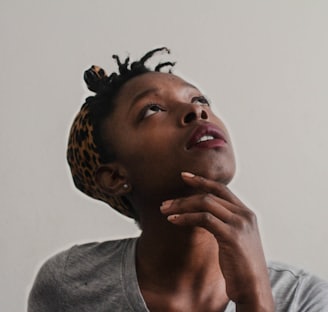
(150, 146)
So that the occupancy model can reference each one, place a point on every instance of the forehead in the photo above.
(151, 81)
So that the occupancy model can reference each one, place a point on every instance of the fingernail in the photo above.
(187, 174)
(173, 217)
(166, 204)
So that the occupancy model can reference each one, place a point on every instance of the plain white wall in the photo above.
(263, 64)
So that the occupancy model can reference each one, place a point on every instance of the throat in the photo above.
(178, 270)
(180, 260)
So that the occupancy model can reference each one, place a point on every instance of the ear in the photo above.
(112, 179)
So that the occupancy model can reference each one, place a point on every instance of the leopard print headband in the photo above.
(84, 159)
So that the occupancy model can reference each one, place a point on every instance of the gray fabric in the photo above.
(102, 277)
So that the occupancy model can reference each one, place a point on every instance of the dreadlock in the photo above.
(107, 87)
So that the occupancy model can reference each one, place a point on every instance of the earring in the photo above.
(125, 186)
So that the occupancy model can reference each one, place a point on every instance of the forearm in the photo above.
(261, 303)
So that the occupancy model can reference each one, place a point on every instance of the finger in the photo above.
(210, 186)
(202, 219)
(206, 203)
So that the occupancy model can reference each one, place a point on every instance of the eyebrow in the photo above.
(146, 92)
(142, 95)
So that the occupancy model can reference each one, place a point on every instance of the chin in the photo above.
(220, 175)
(226, 180)
(219, 169)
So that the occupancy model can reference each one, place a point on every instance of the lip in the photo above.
(207, 129)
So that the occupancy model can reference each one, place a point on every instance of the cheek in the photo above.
(147, 155)
(151, 159)
(143, 149)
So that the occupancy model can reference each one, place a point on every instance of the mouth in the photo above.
(207, 136)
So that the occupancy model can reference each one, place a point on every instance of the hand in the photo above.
(234, 226)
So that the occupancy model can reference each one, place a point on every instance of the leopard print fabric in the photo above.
(84, 160)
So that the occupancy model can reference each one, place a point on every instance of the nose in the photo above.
(193, 112)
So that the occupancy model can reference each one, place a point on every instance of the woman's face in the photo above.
(162, 126)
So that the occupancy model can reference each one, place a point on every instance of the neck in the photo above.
(179, 255)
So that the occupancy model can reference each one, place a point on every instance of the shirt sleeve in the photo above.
(47, 293)
(312, 294)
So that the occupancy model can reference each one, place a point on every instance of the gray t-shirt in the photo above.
(102, 277)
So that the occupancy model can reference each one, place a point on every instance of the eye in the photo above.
(151, 109)
(201, 100)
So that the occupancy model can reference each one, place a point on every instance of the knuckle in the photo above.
(245, 222)
(200, 180)
(243, 225)
(250, 216)
(206, 198)
(206, 201)
(207, 218)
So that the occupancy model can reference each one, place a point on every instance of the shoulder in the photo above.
(46, 291)
(297, 289)
(65, 275)
(90, 254)
(283, 274)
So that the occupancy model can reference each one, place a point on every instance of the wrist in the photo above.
(260, 301)
(259, 304)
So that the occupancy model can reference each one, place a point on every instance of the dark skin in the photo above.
(200, 246)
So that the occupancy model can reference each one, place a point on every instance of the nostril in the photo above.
(190, 117)
(204, 115)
